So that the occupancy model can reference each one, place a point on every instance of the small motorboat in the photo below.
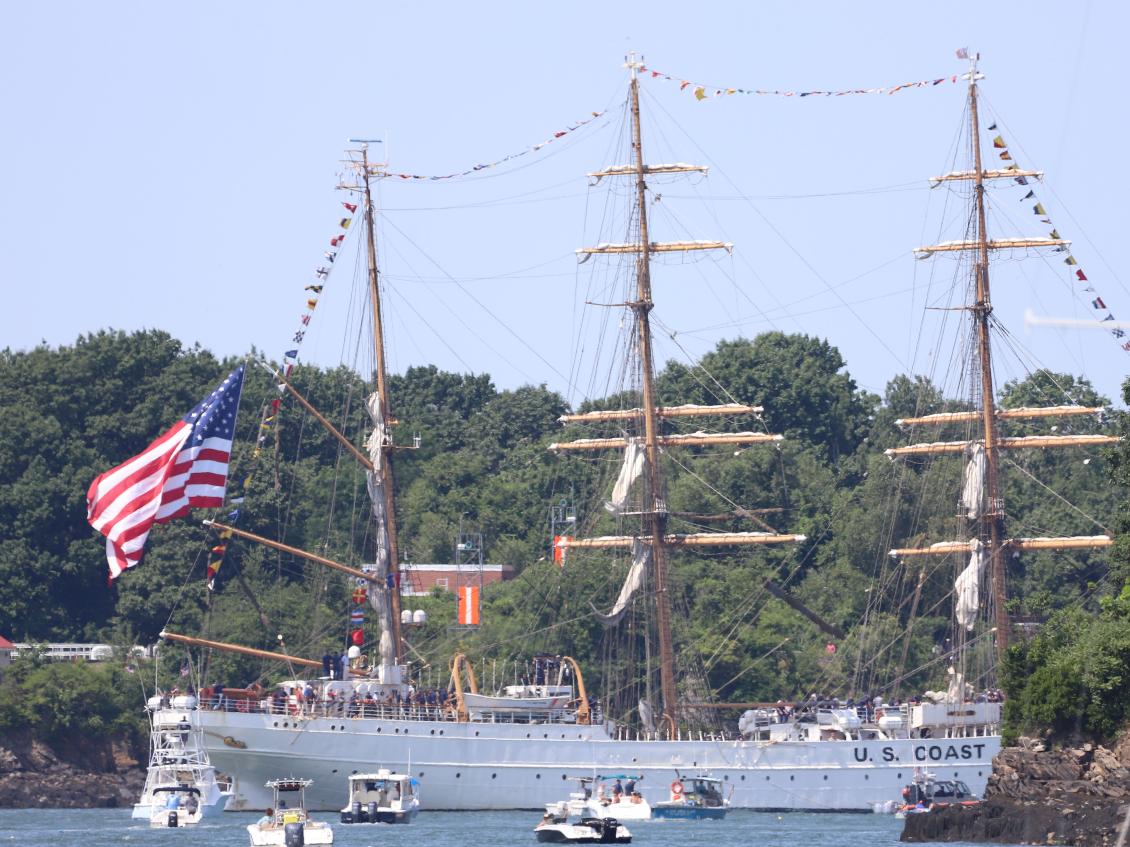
(381, 797)
(557, 827)
(610, 796)
(286, 823)
(693, 798)
(176, 805)
(927, 792)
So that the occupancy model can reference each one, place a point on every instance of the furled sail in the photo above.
(641, 558)
(379, 597)
(973, 488)
(967, 587)
(647, 715)
(634, 459)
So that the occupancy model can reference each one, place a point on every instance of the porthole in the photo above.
(900, 776)
(353, 772)
(867, 776)
(441, 732)
(825, 777)
(458, 775)
(563, 776)
(378, 729)
(955, 774)
(743, 777)
(527, 735)
(494, 776)
(476, 733)
(726, 777)
(537, 776)
(334, 770)
(978, 773)
(545, 735)
(433, 732)
(421, 774)
(766, 779)
(285, 724)
(791, 777)
(276, 723)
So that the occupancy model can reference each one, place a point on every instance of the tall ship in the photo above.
(510, 747)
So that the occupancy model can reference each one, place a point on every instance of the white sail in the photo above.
(966, 587)
(379, 597)
(973, 488)
(641, 558)
(634, 459)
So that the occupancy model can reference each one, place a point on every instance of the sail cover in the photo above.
(967, 587)
(379, 597)
(641, 558)
(973, 488)
(634, 458)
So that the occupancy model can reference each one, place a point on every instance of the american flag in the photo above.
(187, 467)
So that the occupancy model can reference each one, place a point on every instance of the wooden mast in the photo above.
(657, 510)
(992, 521)
(990, 533)
(385, 469)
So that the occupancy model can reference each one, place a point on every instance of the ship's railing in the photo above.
(291, 707)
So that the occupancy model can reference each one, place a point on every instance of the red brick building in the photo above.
(416, 580)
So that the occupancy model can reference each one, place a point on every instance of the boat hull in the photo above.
(471, 766)
(687, 812)
(596, 833)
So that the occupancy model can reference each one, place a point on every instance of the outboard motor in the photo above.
(356, 815)
(172, 819)
(294, 835)
(608, 827)
(372, 811)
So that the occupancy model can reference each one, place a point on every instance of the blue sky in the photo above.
(173, 166)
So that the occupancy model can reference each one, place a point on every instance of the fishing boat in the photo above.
(381, 797)
(178, 764)
(693, 798)
(499, 749)
(287, 823)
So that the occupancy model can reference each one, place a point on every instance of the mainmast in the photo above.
(384, 421)
(657, 507)
(993, 517)
(987, 506)
(656, 541)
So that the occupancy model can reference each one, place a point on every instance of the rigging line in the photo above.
(482, 306)
(1110, 269)
(794, 315)
(1060, 497)
(718, 690)
(803, 260)
(916, 185)
(437, 333)
(767, 288)
(484, 204)
(767, 314)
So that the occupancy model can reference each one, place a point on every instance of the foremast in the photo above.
(656, 541)
(380, 450)
(991, 542)
(382, 582)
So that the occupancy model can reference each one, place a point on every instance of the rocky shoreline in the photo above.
(1077, 796)
(34, 775)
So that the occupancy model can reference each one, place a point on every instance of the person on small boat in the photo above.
(191, 804)
(617, 791)
(267, 818)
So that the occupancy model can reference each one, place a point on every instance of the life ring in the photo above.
(676, 788)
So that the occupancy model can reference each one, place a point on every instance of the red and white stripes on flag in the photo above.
(185, 468)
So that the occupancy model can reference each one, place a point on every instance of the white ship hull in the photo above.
(478, 765)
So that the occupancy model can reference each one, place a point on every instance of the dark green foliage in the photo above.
(68, 414)
(71, 702)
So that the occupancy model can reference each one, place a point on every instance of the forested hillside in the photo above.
(68, 414)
